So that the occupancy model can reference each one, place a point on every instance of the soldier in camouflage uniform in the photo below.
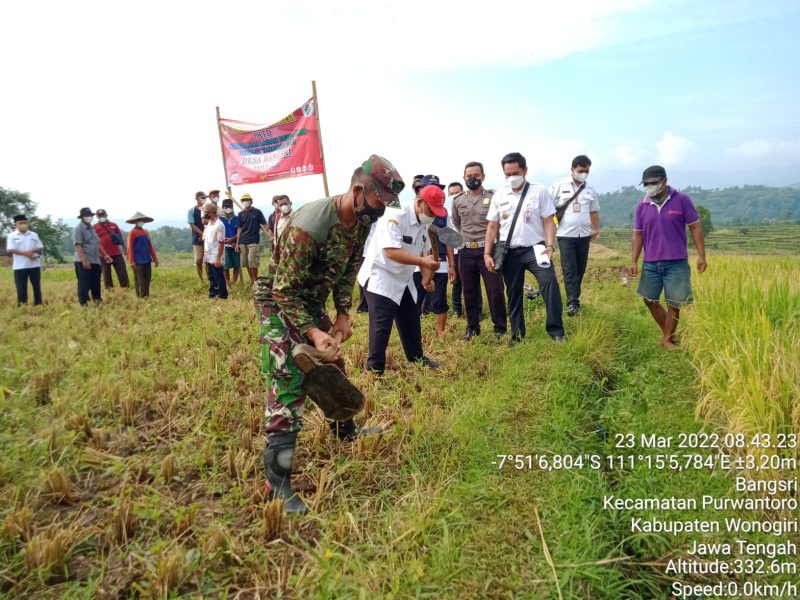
(319, 253)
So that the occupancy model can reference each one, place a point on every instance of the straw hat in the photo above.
(139, 217)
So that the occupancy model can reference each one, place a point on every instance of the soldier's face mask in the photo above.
(366, 213)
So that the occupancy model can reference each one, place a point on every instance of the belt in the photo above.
(474, 245)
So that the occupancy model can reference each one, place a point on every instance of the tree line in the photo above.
(747, 205)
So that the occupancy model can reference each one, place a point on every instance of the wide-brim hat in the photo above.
(85, 212)
(139, 217)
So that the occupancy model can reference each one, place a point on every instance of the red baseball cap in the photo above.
(434, 198)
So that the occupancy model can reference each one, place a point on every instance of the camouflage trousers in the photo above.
(285, 397)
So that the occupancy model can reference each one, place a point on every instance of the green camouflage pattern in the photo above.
(315, 256)
(384, 174)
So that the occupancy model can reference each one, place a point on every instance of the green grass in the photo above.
(152, 410)
(760, 239)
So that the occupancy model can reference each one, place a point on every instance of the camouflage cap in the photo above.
(383, 174)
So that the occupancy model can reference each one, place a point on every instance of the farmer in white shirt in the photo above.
(26, 248)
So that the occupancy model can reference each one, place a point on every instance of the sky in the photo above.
(113, 105)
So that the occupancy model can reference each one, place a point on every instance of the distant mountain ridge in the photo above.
(746, 205)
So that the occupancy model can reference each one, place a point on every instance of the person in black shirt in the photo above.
(195, 220)
(248, 236)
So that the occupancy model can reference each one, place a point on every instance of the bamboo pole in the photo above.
(224, 166)
(319, 133)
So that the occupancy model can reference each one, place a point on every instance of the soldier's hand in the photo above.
(489, 262)
(342, 325)
(429, 262)
(325, 343)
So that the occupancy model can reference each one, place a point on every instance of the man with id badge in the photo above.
(521, 226)
(577, 211)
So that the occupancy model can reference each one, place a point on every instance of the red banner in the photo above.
(257, 153)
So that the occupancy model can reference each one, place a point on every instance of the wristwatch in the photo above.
(550, 246)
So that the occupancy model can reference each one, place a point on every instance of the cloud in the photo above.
(672, 148)
(767, 148)
(627, 154)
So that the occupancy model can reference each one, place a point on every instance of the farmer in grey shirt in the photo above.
(88, 254)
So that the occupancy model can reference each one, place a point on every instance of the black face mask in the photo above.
(473, 183)
(366, 214)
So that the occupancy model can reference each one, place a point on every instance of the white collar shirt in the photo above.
(529, 229)
(576, 222)
(397, 228)
(24, 241)
(213, 234)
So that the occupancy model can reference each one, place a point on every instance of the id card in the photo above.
(576, 206)
(528, 217)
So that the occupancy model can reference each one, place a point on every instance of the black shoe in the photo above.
(471, 333)
(278, 459)
(514, 341)
(557, 338)
(457, 314)
(573, 309)
(431, 364)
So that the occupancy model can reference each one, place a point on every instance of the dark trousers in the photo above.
(21, 278)
(432, 302)
(382, 313)
(574, 256)
(120, 268)
(362, 305)
(458, 307)
(471, 269)
(88, 282)
(142, 275)
(519, 260)
(217, 288)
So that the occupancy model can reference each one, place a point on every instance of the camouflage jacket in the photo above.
(314, 256)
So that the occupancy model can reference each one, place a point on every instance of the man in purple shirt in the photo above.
(660, 228)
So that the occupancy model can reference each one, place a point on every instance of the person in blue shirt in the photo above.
(232, 258)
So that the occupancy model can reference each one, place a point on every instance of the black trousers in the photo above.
(362, 305)
(120, 268)
(88, 282)
(574, 256)
(458, 307)
(217, 288)
(142, 275)
(21, 278)
(382, 313)
(432, 302)
(472, 269)
(519, 260)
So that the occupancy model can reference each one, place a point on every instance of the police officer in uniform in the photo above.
(469, 216)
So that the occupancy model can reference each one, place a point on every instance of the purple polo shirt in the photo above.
(664, 230)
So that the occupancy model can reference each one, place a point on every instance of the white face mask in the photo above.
(580, 177)
(515, 181)
(87, 220)
(286, 209)
(227, 210)
(246, 203)
(103, 219)
(652, 190)
(425, 219)
(139, 224)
